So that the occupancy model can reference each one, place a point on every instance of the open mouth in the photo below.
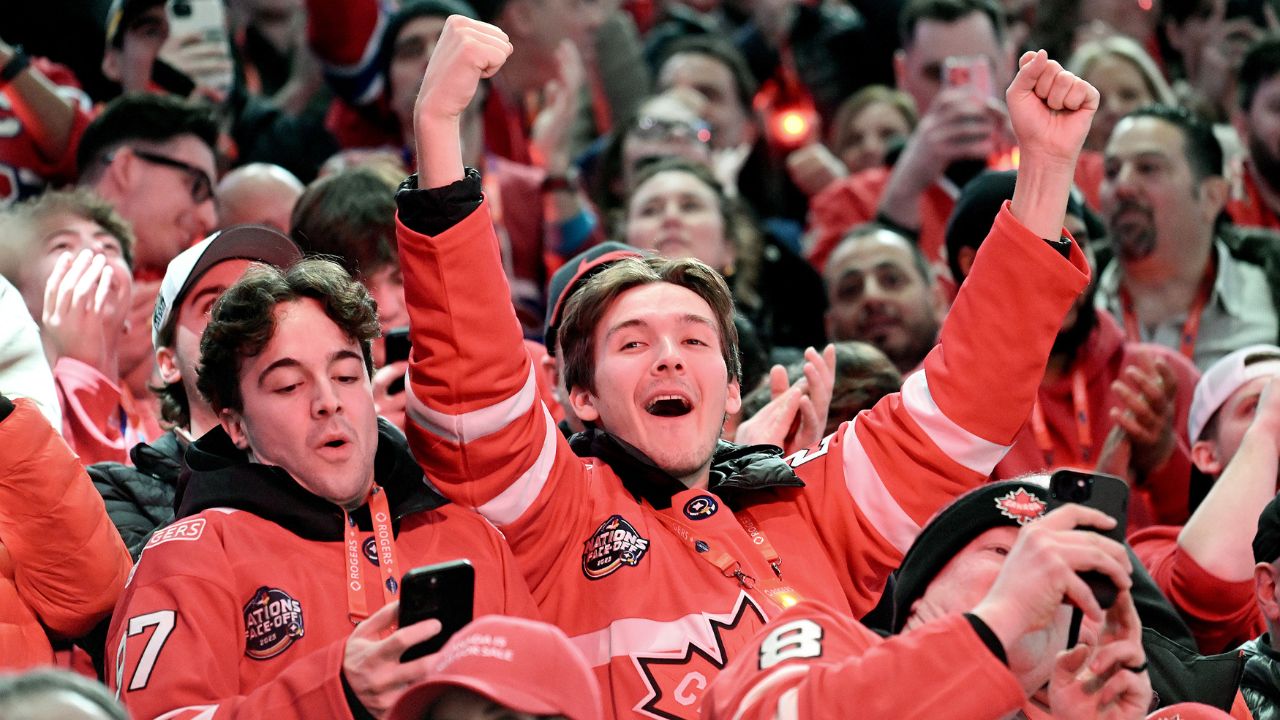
(669, 406)
(335, 443)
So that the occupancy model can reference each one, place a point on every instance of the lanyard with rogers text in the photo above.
(385, 549)
(1190, 328)
(784, 596)
(1080, 405)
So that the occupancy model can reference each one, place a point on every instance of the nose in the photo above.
(325, 400)
(669, 358)
(205, 219)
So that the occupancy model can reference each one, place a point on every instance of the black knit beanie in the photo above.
(1009, 503)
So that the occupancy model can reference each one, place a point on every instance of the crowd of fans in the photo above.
(733, 344)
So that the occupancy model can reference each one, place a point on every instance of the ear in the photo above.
(167, 362)
(938, 301)
(900, 69)
(549, 367)
(733, 400)
(1204, 453)
(964, 258)
(233, 423)
(111, 64)
(1264, 587)
(584, 405)
(1214, 192)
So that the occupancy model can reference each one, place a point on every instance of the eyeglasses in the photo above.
(652, 128)
(201, 185)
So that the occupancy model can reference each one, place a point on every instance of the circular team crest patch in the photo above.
(272, 623)
(701, 507)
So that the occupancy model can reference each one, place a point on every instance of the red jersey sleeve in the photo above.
(1220, 614)
(813, 663)
(476, 421)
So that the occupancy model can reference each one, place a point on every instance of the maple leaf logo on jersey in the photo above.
(1020, 506)
(614, 544)
(677, 680)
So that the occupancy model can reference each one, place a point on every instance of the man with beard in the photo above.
(880, 290)
(1099, 390)
(1177, 280)
(1257, 120)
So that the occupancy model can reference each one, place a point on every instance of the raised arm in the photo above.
(944, 433)
(475, 419)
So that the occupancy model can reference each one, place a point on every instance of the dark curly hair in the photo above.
(243, 320)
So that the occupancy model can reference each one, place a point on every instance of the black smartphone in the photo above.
(445, 592)
(1099, 491)
(395, 347)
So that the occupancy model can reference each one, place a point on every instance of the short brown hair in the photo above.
(17, 241)
(586, 307)
(243, 320)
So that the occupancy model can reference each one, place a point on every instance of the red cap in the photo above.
(1189, 711)
(523, 665)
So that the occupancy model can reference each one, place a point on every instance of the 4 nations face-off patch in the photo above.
(614, 544)
(272, 623)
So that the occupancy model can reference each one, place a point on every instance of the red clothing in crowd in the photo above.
(1220, 614)
(816, 663)
(232, 615)
(847, 203)
(1160, 497)
(1252, 210)
(62, 563)
(101, 420)
(24, 170)
(594, 541)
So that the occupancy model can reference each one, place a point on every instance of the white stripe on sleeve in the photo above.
(959, 444)
(513, 502)
(469, 426)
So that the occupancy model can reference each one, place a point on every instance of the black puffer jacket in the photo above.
(1261, 682)
(139, 499)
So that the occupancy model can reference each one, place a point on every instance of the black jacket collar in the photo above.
(735, 469)
(161, 459)
(220, 475)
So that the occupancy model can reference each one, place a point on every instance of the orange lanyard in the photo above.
(782, 595)
(1080, 406)
(1190, 328)
(384, 544)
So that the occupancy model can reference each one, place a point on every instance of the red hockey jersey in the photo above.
(232, 615)
(815, 663)
(605, 555)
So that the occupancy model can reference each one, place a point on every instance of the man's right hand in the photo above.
(958, 126)
(1042, 572)
(371, 661)
(468, 51)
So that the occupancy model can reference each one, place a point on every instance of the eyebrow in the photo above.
(288, 362)
(100, 232)
(205, 292)
(687, 319)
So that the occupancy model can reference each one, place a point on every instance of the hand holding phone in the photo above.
(444, 592)
(972, 72)
(1103, 492)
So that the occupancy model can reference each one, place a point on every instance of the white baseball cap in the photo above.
(1224, 377)
(238, 242)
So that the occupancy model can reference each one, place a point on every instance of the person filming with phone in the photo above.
(276, 593)
(982, 614)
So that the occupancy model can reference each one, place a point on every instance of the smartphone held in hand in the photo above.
(1099, 491)
(444, 592)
